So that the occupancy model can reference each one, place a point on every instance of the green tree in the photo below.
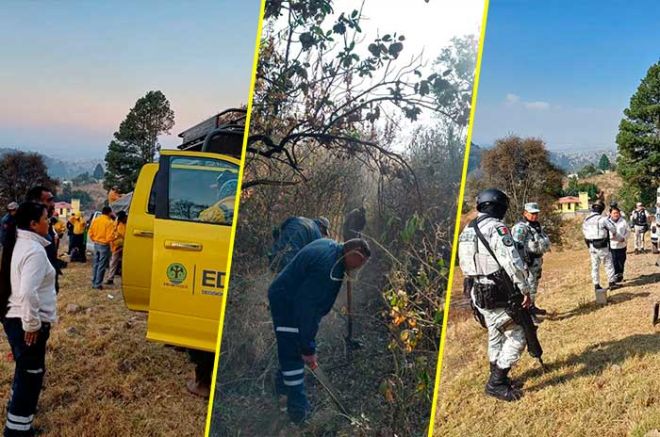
(521, 167)
(19, 171)
(639, 141)
(588, 170)
(604, 163)
(136, 141)
(86, 200)
(98, 172)
(574, 187)
(455, 68)
(83, 179)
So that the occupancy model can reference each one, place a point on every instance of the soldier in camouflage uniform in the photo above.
(532, 242)
(506, 339)
(597, 231)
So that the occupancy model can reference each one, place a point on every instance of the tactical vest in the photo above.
(639, 218)
(592, 228)
(475, 260)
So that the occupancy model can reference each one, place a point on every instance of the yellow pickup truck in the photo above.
(178, 233)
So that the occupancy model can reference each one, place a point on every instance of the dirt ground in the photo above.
(102, 376)
(244, 402)
(604, 361)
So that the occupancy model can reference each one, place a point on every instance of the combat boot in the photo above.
(511, 382)
(614, 286)
(499, 385)
(538, 311)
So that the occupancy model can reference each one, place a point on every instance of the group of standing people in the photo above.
(606, 238)
(29, 270)
(501, 267)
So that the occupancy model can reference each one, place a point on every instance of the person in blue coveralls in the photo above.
(292, 235)
(300, 296)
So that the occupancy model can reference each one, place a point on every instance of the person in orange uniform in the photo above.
(101, 233)
(117, 246)
(76, 227)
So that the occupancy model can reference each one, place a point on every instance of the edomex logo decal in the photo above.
(176, 273)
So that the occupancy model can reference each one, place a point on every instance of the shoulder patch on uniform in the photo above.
(507, 240)
(502, 230)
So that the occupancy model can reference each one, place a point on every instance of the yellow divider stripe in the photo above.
(459, 211)
(209, 414)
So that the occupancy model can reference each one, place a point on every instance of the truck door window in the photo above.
(151, 204)
(202, 190)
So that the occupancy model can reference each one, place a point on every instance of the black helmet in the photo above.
(493, 202)
(492, 196)
(598, 206)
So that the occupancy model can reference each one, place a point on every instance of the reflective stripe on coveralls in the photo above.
(299, 297)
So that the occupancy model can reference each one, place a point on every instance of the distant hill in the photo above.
(60, 169)
(570, 162)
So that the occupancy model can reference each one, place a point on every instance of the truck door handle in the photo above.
(183, 245)
(143, 233)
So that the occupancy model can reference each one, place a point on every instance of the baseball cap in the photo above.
(532, 207)
(12, 206)
(323, 223)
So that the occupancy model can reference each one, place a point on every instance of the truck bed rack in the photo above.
(222, 133)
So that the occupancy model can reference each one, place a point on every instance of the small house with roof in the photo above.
(63, 209)
(573, 204)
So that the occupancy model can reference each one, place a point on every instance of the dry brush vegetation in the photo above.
(336, 127)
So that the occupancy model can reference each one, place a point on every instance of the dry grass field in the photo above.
(103, 378)
(604, 361)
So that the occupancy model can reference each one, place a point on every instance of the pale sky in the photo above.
(426, 26)
(71, 70)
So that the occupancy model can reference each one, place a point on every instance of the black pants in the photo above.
(619, 261)
(28, 377)
(203, 365)
(77, 248)
(290, 380)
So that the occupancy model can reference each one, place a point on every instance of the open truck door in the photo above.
(138, 243)
(196, 192)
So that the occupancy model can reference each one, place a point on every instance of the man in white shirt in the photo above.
(618, 247)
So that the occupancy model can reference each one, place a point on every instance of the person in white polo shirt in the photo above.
(618, 247)
(28, 309)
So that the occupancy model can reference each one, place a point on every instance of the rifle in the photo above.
(515, 310)
(522, 317)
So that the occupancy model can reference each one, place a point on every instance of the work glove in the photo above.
(311, 361)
